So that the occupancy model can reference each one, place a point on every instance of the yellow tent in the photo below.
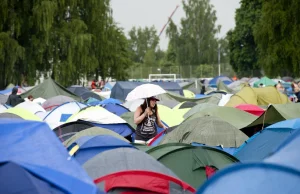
(170, 116)
(188, 94)
(258, 96)
(23, 113)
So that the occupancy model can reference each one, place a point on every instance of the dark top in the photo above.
(14, 99)
(147, 128)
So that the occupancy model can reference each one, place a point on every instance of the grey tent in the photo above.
(208, 130)
(122, 88)
(3, 99)
(130, 170)
(56, 101)
(10, 116)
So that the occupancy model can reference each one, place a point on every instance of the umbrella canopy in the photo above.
(207, 130)
(87, 147)
(263, 143)
(191, 164)
(145, 91)
(258, 178)
(133, 105)
(93, 131)
(123, 159)
(252, 109)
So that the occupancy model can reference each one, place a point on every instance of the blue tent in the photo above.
(123, 129)
(214, 82)
(110, 101)
(34, 146)
(90, 146)
(261, 145)
(78, 90)
(287, 153)
(253, 178)
(117, 109)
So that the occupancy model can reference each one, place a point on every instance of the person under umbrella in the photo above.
(146, 117)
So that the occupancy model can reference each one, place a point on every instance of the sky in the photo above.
(142, 13)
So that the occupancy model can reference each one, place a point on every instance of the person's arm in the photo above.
(138, 117)
(159, 123)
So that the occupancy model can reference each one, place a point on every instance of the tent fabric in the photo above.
(31, 107)
(23, 113)
(106, 101)
(78, 90)
(3, 108)
(188, 94)
(96, 115)
(54, 118)
(90, 94)
(140, 182)
(3, 98)
(56, 101)
(193, 86)
(263, 143)
(235, 117)
(30, 140)
(49, 88)
(221, 86)
(258, 96)
(252, 109)
(129, 118)
(225, 99)
(185, 105)
(214, 82)
(198, 108)
(170, 116)
(189, 162)
(168, 103)
(265, 81)
(116, 109)
(121, 89)
(229, 150)
(10, 116)
(123, 129)
(71, 128)
(93, 131)
(90, 146)
(16, 179)
(258, 178)
(123, 159)
(287, 154)
(207, 130)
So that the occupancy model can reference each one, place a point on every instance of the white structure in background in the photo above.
(172, 77)
(225, 98)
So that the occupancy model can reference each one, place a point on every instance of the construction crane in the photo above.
(162, 30)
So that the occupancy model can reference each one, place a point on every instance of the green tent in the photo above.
(211, 131)
(10, 86)
(92, 132)
(234, 116)
(129, 118)
(189, 163)
(223, 87)
(49, 88)
(275, 113)
(213, 99)
(265, 81)
(199, 108)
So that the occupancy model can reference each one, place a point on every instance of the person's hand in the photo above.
(165, 127)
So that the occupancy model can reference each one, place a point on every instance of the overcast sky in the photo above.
(130, 13)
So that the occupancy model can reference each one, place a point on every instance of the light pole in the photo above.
(219, 59)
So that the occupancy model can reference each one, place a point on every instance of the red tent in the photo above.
(252, 109)
(137, 181)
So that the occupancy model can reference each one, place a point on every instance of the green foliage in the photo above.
(70, 39)
(278, 39)
(243, 52)
(204, 70)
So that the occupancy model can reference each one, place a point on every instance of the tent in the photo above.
(183, 105)
(252, 109)
(106, 101)
(61, 113)
(191, 164)
(287, 154)
(235, 117)
(170, 116)
(168, 103)
(274, 113)
(214, 82)
(265, 81)
(258, 96)
(56, 101)
(87, 147)
(122, 88)
(31, 107)
(34, 146)
(188, 94)
(117, 109)
(3, 108)
(198, 108)
(89, 94)
(207, 130)
(49, 88)
(3, 98)
(258, 178)
(193, 86)
(78, 90)
(92, 131)
(102, 118)
(23, 113)
(263, 143)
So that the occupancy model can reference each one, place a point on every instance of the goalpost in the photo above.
(164, 77)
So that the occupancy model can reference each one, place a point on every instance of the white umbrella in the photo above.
(144, 91)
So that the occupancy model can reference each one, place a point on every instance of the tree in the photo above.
(277, 37)
(242, 46)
